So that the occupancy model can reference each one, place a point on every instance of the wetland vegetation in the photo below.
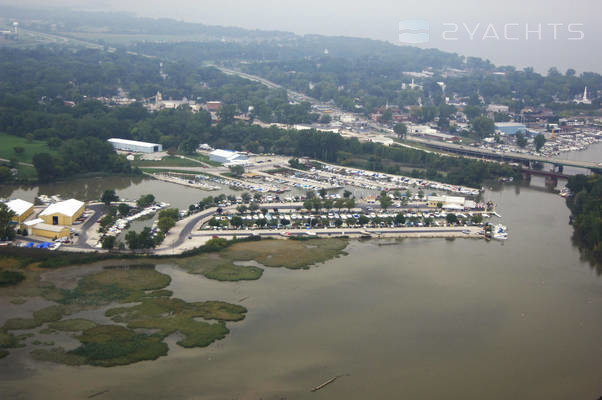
(141, 310)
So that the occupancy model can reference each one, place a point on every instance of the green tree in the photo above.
(237, 221)
(226, 113)
(7, 228)
(363, 220)
(483, 126)
(109, 196)
(108, 242)
(385, 201)
(521, 140)
(400, 129)
(165, 223)
(451, 218)
(540, 140)
(145, 200)
(237, 170)
(124, 209)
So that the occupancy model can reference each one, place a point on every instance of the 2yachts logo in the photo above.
(418, 31)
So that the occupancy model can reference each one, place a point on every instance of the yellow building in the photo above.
(50, 231)
(22, 209)
(63, 212)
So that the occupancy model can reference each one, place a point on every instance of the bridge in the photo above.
(525, 159)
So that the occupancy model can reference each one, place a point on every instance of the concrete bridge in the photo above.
(525, 159)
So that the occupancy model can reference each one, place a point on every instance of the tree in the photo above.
(142, 240)
(539, 140)
(472, 112)
(241, 209)
(451, 218)
(385, 201)
(400, 129)
(420, 194)
(521, 140)
(246, 197)
(7, 229)
(108, 242)
(322, 193)
(45, 167)
(386, 116)
(19, 149)
(483, 126)
(165, 223)
(124, 209)
(237, 170)
(339, 203)
(109, 196)
(5, 174)
(363, 220)
(145, 200)
(476, 219)
(347, 194)
(237, 221)
(226, 113)
(214, 222)
(400, 219)
(350, 203)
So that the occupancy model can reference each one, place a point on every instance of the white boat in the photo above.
(499, 232)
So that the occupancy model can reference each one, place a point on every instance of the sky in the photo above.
(564, 34)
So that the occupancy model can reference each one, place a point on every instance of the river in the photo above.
(417, 319)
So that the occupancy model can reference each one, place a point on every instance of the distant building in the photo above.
(497, 108)
(63, 212)
(213, 106)
(227, 157)
(135, 146)
(450, 203)
(510, 128)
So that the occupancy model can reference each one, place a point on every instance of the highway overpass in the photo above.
(506, 156)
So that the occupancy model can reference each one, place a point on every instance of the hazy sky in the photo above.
(490, 29)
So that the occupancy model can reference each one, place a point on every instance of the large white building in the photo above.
(227, 157)
(135, 146)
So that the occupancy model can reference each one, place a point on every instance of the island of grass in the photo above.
(199, 323)
(220, 264)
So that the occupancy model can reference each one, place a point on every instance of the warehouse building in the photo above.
(22, 210)
(135, 146)
(63, 212)
(510, 128)
(227, 157)
(48, 231)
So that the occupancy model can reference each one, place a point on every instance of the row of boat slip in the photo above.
(44, 199)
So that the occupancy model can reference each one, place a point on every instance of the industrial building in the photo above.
(48, 231)
(450, 202)
(227, 157)
(135, 146)
(510, 128)
(22, 210)
(63, 212)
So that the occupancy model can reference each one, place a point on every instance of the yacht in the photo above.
(499, 232)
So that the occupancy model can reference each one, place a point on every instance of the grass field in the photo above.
(169, 161)
(9, 142)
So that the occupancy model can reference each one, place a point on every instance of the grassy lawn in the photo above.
(9, 142)
(205, 158)
(169, 161)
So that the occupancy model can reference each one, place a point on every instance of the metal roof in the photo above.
(67, 207)
(19, 206)
(132, 142)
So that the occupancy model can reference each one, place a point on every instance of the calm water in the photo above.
(420, 319)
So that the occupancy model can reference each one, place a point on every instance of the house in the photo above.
(63, 212)
(22, 210)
